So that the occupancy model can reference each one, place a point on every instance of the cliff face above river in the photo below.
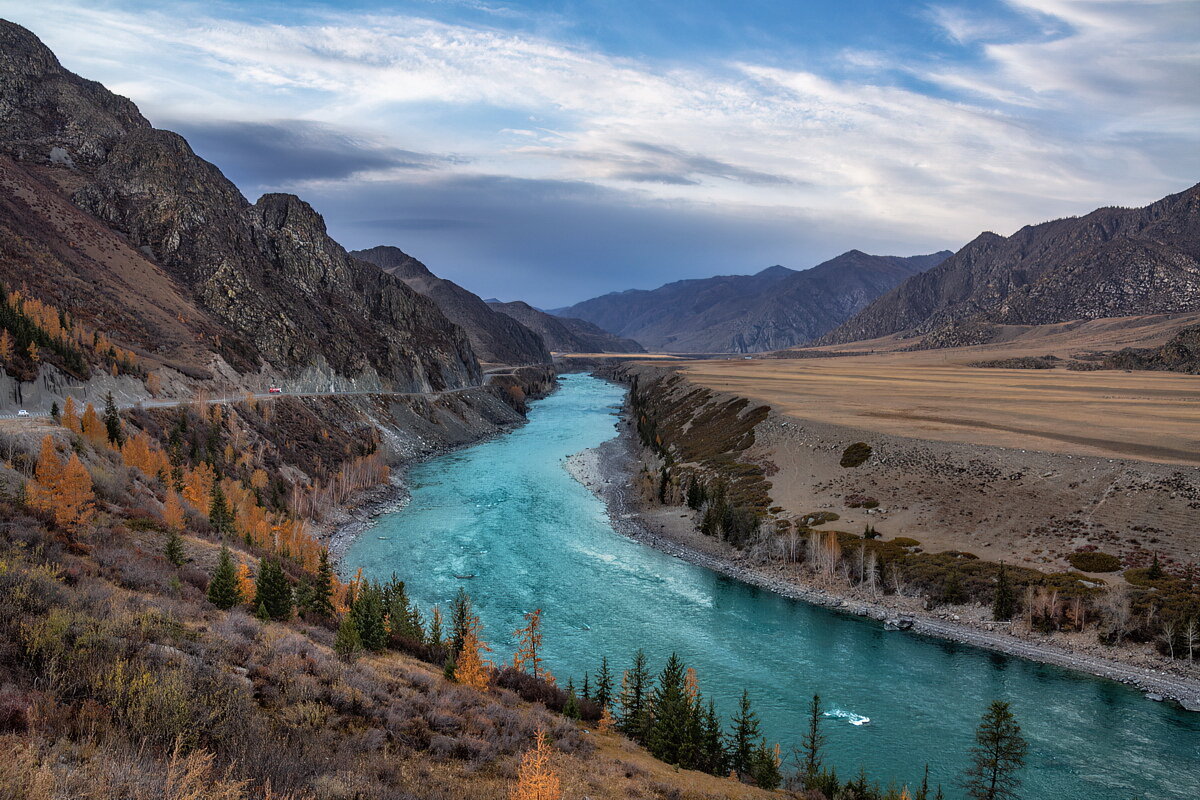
(262, 283)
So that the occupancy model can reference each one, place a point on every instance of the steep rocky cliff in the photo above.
(264, 281)
(567, 334)
(495, 337)
(1112, 262)
(772, 309)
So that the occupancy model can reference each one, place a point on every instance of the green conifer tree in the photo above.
(173, 549)
(635, 700)
(273, 592)
(811, 742)
(604, 684)
(347, 643)
(764, 767)
(670, 710)
(997, 756)
(112, 421)
(460, 619)
(321, 603)
(571, 707)
(367, 611)
(712, 742)
(743, 737)
(223, 591)
(55, 413)
(219, 515)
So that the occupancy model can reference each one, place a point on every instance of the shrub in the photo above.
(855, 455)
(904, 541)
(1094, 562)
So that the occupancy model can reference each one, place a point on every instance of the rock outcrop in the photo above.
(770, 310)
(1113, 262)
(495, 337)
(270, 286)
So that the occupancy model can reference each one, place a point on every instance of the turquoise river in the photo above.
(507, 512)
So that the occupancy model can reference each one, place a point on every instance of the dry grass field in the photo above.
(1016, 465)
(934, 394)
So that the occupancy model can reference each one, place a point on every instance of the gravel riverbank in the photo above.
(608, 471)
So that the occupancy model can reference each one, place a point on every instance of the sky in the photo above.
(555, 150)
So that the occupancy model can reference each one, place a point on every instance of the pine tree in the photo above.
(55, 413)
(743, 737)
(764, 767)
(997, 757)
(272, 590)
(1005, 604)
(810, 744)
(1156, 571)
(571, 707)
(460, 619)
(952, 591)
(712, 742)
(635, 699)
(670, 711)
(367, 611)
(321, 602)
(536, 779)
(604, 684)
(347, 643)
(437, 635)
(112, 421)
(223, 589)
(219, 515)
(587, 686)
(174, 548)
(923, 792)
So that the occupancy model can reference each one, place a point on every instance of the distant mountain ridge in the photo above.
(494, 336)
(769, 310)
(567, 334)
(1113, 262)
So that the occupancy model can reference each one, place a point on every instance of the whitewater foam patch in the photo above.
(849, 716)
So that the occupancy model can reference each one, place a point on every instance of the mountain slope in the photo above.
(495, 337)
(567, 334)
(268, 287)
(1112, 262)
(772, 309)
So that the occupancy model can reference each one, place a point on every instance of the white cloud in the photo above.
(1037, 128)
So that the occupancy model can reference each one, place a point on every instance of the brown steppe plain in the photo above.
(1017, 465)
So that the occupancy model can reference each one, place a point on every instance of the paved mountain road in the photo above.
(174, 402)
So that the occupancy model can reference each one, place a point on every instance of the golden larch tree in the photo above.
(74, 503)
(246, 584)
(6, 346)
(607, 724)
(536, 779)
(528, 656)
(70, 416)
(173, 511)
(93, 428)
(35, 355)
(471, 668)
(47, 477)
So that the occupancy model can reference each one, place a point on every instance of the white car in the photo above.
(22, 413)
